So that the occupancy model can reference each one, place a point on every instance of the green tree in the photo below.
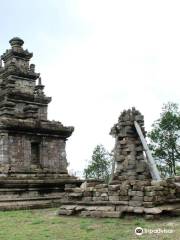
(99, 167)
(165, 140)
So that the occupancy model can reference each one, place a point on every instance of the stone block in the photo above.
(130, 166)
(76, 194)
(114, 193)
(80, 208)
(121, 209)
(104, 197)
(138, 209)
(139, 193)
(123, 202)
(140, 157)
(68, 207)
(150, 188)
(113, 198)
(105, 208)
(122, 178)
(91, 208)
(177, 179)
(65, 212)
(140, 168)
(160, 193)
(142, 176)
(130, 147)
(131, 193)
(78, 190)
(96, 199)
(139, 149)
(154, 210)
(135, 203)
(87, 199)
(112, 214)
(131, 158)
(113, 187)
(148, 198)
(97, 214)
(102, 190)
(85, 214)
(150, 194)
(101, 186)
(68, 185)
(123, 198)
(130, 209)
(123, 192)
(97, 194)
(132, 177)
(148, 204)
(139, 118)
(87, 194)
(137, 198)
(68, 189)
(123, 142)
(120, 158)
(90, 189)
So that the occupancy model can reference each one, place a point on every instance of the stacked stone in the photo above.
(132, 188)
(128, 152)
(148, 197)
(100, 192)
(73, 193)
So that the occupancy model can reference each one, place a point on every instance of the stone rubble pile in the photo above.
(132, 189)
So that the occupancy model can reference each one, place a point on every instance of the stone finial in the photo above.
(16, 42)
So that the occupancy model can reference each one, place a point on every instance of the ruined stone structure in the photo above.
(132, 189)
(33, 163)
(129, 155)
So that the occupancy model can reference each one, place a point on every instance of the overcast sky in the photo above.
(97, 58)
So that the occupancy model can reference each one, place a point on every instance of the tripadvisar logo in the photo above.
(138, 231)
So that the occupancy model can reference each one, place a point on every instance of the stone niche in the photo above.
(32, 148)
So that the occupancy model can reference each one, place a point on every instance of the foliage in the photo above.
(100, 165)
(164, 140)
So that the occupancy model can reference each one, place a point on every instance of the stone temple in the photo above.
(33, 164)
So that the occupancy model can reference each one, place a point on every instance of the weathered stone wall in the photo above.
(15, 150)
(19, 152)
(53, 154)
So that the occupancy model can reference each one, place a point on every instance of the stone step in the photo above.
(38, 181)
(53, 189)
(30, 204)
(30, 199)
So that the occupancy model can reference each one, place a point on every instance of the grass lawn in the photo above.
(45, 224)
